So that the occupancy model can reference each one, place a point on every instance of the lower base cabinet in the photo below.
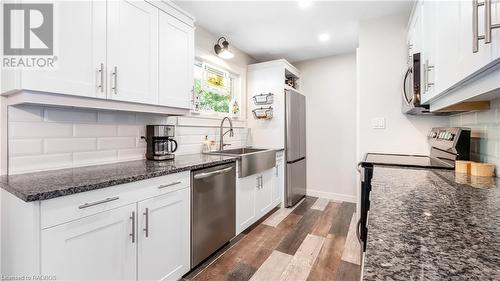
(98, 247)
(255, 197)
(164, 234)
(135, 231)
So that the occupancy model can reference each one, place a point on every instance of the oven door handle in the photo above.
(358, 225)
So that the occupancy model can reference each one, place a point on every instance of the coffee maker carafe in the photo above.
(160, 142)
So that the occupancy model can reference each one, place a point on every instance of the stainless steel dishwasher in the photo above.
(213, 210)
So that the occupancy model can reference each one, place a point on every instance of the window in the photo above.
(214, 90)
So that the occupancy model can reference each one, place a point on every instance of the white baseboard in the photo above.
(332, 195)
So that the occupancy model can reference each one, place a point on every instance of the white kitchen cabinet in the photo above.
(98, 247)
(447, 59)
(255, 197)
(132, 51)
(80, 46)
(265, 193)
(164, 236)
(246, 191)
(429, 48)
(176, 60)
(279, 179)
(100, 234)
(140, 52)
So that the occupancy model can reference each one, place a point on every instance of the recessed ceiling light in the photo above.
(304, 3)
(323, 37)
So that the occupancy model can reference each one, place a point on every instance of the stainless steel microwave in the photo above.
(411, 88)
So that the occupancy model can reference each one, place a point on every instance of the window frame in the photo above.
(236, 93)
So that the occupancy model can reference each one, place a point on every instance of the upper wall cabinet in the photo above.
(176, 62)
(460, 44)
(81, 52)
(133, 51)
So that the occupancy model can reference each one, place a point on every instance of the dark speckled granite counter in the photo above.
(57, 183)
(432, 225)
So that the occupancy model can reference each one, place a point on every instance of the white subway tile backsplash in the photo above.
(115, 117)
(131, 154)
(25, 113)
(25, 147)
(94, 157)
(485, 126)
(21, 164)
(39, 130)
(70, 115)
(95, 130)
(151, 119)
(69, 145)
(131, 130)
(115, 143)
(469, 118)
(44, 138)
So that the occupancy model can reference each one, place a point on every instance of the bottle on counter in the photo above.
(206, 145)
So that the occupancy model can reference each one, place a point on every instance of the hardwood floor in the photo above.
(316, 240)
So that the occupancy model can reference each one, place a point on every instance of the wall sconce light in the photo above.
(222, 49)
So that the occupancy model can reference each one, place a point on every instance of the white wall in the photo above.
(485, 126)
(381, 65)
(330, 88)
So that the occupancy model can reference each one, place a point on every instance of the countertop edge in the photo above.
(75, 189)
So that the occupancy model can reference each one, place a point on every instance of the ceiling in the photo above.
(269, 30)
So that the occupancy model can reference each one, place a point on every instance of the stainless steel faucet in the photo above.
(231, 133)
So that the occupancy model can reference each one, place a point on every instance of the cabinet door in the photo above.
(264, 202)
(132, 51)
(279, 183)
(80, 47)
(246, 189)
(428, 50)
(495, 33)
(164, 236)
(97, 247)
(176, 62)
(447, 47)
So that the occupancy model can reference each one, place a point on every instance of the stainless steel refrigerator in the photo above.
(295, 147)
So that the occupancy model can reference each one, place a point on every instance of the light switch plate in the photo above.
(378, 123)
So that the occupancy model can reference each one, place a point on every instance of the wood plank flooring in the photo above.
(316, 240)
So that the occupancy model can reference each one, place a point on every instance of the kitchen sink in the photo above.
(250, 160)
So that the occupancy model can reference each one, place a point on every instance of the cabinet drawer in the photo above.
(71, 207)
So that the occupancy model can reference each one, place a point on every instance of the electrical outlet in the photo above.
(378, 123)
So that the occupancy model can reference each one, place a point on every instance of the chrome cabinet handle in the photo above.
(146, 228)
(487, 21)
(488, 26)
(427, 68)
(169, 184)
(133, 227)
(425, 76)
(86, 205)
(101, 77)
(475, 28)
(115, 80)
(206, 175)
(258, 182)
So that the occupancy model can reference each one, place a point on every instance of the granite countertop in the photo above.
(56, 183)
(432, 225)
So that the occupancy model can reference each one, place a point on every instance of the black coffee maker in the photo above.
(160, 142)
